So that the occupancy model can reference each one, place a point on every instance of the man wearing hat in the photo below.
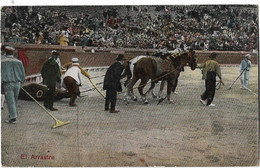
(58, 59)
(72, 81)
(12, 77)
(51, 75)
(211, 69)
(112, 83)
(244, 69)
(69, 65)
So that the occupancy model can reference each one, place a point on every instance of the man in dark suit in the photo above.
(51, 74)
(112, 83)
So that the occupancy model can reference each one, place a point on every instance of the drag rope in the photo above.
(97, 76)
(91, 89)
(150, 81)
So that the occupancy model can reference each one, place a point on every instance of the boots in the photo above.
(114, 111)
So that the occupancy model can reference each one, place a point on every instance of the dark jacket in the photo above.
(113, 76)
(51, 73)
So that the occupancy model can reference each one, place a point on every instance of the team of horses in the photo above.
(155, 69)
(165, 68)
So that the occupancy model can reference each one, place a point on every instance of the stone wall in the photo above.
(38, 54)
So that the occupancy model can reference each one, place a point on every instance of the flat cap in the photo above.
(75, 59)
(8, 48)
(248, 55)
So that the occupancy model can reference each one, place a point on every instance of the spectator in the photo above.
(62, 39)
(39, 38)
(86, 41)
(226, 27)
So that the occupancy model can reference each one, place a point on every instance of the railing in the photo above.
(37, 78)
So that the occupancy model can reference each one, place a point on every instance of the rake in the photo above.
(58, 123)
(237, 78)
(99, 91)
(251, 91)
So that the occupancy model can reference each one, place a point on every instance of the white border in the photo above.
(123, 2)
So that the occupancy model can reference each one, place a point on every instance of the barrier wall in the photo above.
(38, 54)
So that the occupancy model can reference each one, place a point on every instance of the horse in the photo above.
(158, 69)
(128, 71)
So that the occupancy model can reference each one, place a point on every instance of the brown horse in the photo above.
(128, 71)
(158, 69)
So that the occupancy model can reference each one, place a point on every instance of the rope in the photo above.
(97, 76)
(125, 90)
(174, 70)
(150, 81)
(92, 88)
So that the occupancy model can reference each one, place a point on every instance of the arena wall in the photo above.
(94, 57)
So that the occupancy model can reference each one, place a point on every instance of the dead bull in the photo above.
(38, 92)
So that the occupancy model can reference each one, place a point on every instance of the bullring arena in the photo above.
(184, 133)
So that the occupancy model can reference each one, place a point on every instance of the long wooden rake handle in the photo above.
(58, 122)
(237, 78)
(99, 91)
(251, 91)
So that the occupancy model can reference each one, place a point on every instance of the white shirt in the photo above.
(74, 72)
(58, 61)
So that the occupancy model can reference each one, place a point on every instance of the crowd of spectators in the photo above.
(208, 27)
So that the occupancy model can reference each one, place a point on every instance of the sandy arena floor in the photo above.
(185, 133)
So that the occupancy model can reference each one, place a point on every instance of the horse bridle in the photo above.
(189, 55)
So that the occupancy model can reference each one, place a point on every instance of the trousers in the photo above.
(49, 97)
(11, 92)
(210, 84)
(111, 97)
(72, 87)
(244, 78)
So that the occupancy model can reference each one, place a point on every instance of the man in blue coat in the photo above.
(12, 77)
(244, 69)
(51, 75)
(112, 83)
(2, 93)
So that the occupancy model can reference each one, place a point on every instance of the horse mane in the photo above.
(176, 58)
